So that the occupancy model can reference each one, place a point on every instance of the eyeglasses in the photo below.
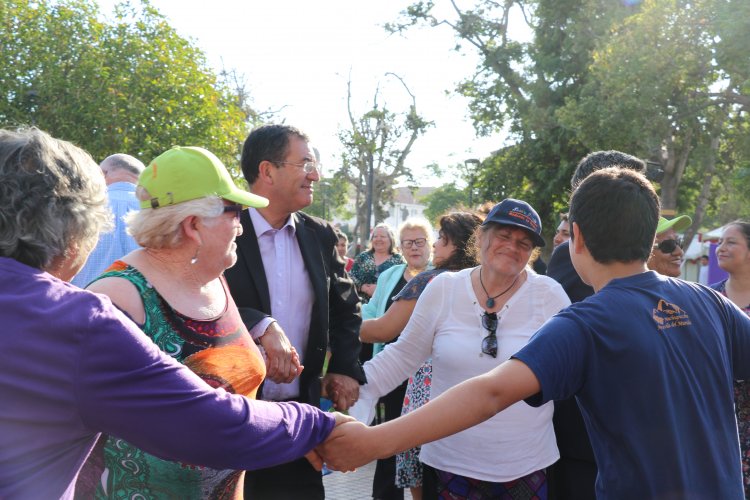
(669, 246)
(307, 166)
(419, 243)
(236, 208)
(489, 343)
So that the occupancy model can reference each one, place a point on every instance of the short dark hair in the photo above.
(460, 229)
(267, 142)
(605, 159)
(617, 211)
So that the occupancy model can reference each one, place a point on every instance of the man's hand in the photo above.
(282, 360)
(349, 446)
(341, 389)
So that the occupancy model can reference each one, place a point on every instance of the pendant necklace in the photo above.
(491, 300)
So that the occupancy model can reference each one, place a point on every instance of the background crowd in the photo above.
(242, 295)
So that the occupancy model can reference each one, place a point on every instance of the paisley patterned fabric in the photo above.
(223, 354)
(741, 406)
(365, 271)
(408, 466)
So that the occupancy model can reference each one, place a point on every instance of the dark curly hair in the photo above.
(459, 228)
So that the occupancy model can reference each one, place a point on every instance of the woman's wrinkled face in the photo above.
(414, 248)
(668, 264)
(733, 253)
(506, 249)
(381, 242)
(219, 245)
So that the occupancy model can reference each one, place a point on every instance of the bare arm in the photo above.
(389, 325)
(123, 294)
(353, 444)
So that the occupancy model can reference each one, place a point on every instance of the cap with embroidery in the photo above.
(517, 213)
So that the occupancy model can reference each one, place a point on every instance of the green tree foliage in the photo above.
(443, 199)
(670, 83)
(374, 159)
(130, 85)
(519, 86)
(330, 198)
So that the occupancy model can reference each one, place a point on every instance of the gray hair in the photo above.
(391, 236)
(52, 198)
(160, 227)
(121, 161)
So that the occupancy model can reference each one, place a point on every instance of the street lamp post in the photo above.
(370, 177)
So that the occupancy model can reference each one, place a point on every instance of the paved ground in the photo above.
(352, 485)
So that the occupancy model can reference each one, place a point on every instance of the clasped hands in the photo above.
(351, 444)
(283, 366)
(282, 360)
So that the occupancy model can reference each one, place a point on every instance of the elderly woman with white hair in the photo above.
(415, 240)
(73, 365)
(174, 289)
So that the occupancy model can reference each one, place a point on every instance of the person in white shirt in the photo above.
(469, 322)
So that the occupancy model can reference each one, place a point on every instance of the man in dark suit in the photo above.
(290, 286)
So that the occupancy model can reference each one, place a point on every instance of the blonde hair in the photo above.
(417, 224)
(160, 227)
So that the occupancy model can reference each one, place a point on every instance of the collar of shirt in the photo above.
(262, 226)
(122, 186)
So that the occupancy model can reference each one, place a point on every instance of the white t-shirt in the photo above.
(446, 325)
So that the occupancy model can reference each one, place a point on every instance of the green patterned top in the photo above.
(222, 353)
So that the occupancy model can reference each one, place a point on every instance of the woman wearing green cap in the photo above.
(73, 366)
(667, 255)
(174, 289)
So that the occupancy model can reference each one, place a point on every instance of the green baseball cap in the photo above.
(189, 173)
(679, 224)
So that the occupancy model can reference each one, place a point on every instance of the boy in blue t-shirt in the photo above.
(650, 359)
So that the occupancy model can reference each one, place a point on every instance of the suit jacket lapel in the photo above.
(310, 250)
(248, 246)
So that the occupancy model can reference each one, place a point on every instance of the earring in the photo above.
(195, 257)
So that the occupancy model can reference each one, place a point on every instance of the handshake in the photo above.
(351, 444)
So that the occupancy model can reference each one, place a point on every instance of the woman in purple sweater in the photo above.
(72, 365)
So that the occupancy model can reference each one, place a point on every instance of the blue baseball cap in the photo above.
(520, 214)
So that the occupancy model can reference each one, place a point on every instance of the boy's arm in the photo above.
(353, 444)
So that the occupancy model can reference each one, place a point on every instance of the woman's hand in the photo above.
(282, 360)
(349, 446)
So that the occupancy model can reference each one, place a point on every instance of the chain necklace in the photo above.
(491, 300)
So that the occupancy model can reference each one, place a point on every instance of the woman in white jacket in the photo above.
(468, 323)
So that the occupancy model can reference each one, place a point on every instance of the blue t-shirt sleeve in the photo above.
(556, 354)
(739, 329)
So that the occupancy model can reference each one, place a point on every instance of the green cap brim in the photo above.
(679, 224)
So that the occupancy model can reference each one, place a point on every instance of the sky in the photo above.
(296, 57)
